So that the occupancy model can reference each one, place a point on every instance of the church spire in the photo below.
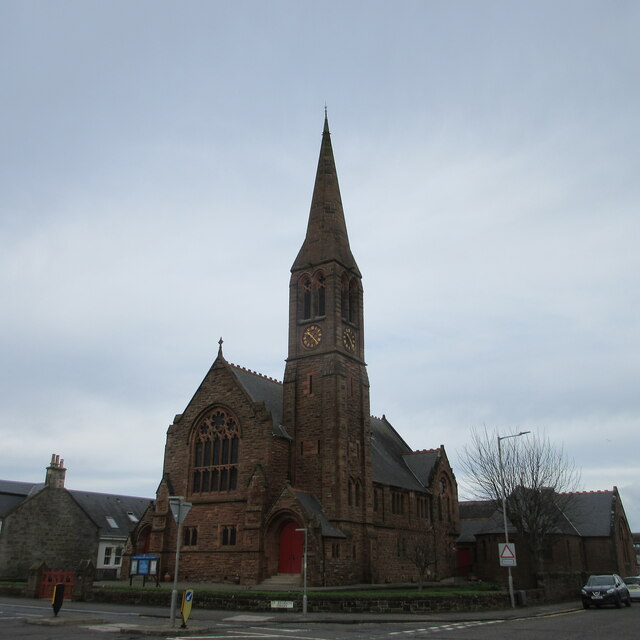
(326, 237)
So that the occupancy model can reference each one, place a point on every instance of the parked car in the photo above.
(605, 589)
(633, 584)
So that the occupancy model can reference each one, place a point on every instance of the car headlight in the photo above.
(584, 593)
(610, 590)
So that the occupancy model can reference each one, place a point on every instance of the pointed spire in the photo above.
(326, 237)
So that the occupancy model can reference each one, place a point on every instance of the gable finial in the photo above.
(220, 347)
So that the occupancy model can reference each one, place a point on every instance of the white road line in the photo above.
(279, 629)
(240, 634)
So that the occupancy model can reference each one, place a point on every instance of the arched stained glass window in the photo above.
(215, 452)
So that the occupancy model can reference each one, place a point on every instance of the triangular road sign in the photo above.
(507, 554)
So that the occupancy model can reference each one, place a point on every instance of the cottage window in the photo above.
(108, 551)
(117, 558)
(215, 463)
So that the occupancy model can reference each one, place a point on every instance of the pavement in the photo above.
(155, 621)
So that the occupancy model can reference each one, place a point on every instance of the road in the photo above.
(88, 622)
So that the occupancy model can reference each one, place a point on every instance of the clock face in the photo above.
(349, 339)
(312, 336)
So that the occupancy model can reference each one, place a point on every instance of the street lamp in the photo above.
(304, 574)
(504, 507)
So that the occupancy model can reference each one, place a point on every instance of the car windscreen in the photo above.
(600, 581)
(631, 580)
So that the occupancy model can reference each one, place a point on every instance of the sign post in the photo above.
(179, 508)
(304, 574)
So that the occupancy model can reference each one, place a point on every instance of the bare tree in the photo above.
(536, 477)
(425, 553)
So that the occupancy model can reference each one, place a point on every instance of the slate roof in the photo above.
(97, 506)
(587, 513)
(100, 505)
(311, 505)
(262, 389)
(477, 509)
(422, 463)
(393, 461)
(591, 512)
(13, 492)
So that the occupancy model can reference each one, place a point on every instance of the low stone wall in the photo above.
(561, 586)
(248, 601)
(14, 590)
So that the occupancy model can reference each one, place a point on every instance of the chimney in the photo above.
(55, 473)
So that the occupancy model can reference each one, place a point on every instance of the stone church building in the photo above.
(263, 461)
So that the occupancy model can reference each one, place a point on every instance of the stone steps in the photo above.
(283, 580)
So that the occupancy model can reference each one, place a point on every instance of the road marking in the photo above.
(452, 626)
(279, 629)
(114, 627)
(249, 618)
(239, 635)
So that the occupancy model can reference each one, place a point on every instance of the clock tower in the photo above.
(326, 388)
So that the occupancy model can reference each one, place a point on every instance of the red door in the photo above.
(291, 543)
(465, 562)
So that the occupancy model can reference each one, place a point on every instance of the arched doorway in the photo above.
(143, 543)
(291, 543)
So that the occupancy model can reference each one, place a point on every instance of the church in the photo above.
(274, 470)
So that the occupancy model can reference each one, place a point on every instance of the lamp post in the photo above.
(304, 574)
(504, 507)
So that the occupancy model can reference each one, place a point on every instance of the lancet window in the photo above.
(350, 296)
(312, 296)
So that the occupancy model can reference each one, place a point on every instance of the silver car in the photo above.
(633, 584)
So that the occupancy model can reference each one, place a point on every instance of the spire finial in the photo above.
(220, 347)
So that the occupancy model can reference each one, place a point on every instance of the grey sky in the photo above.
(156, 167)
